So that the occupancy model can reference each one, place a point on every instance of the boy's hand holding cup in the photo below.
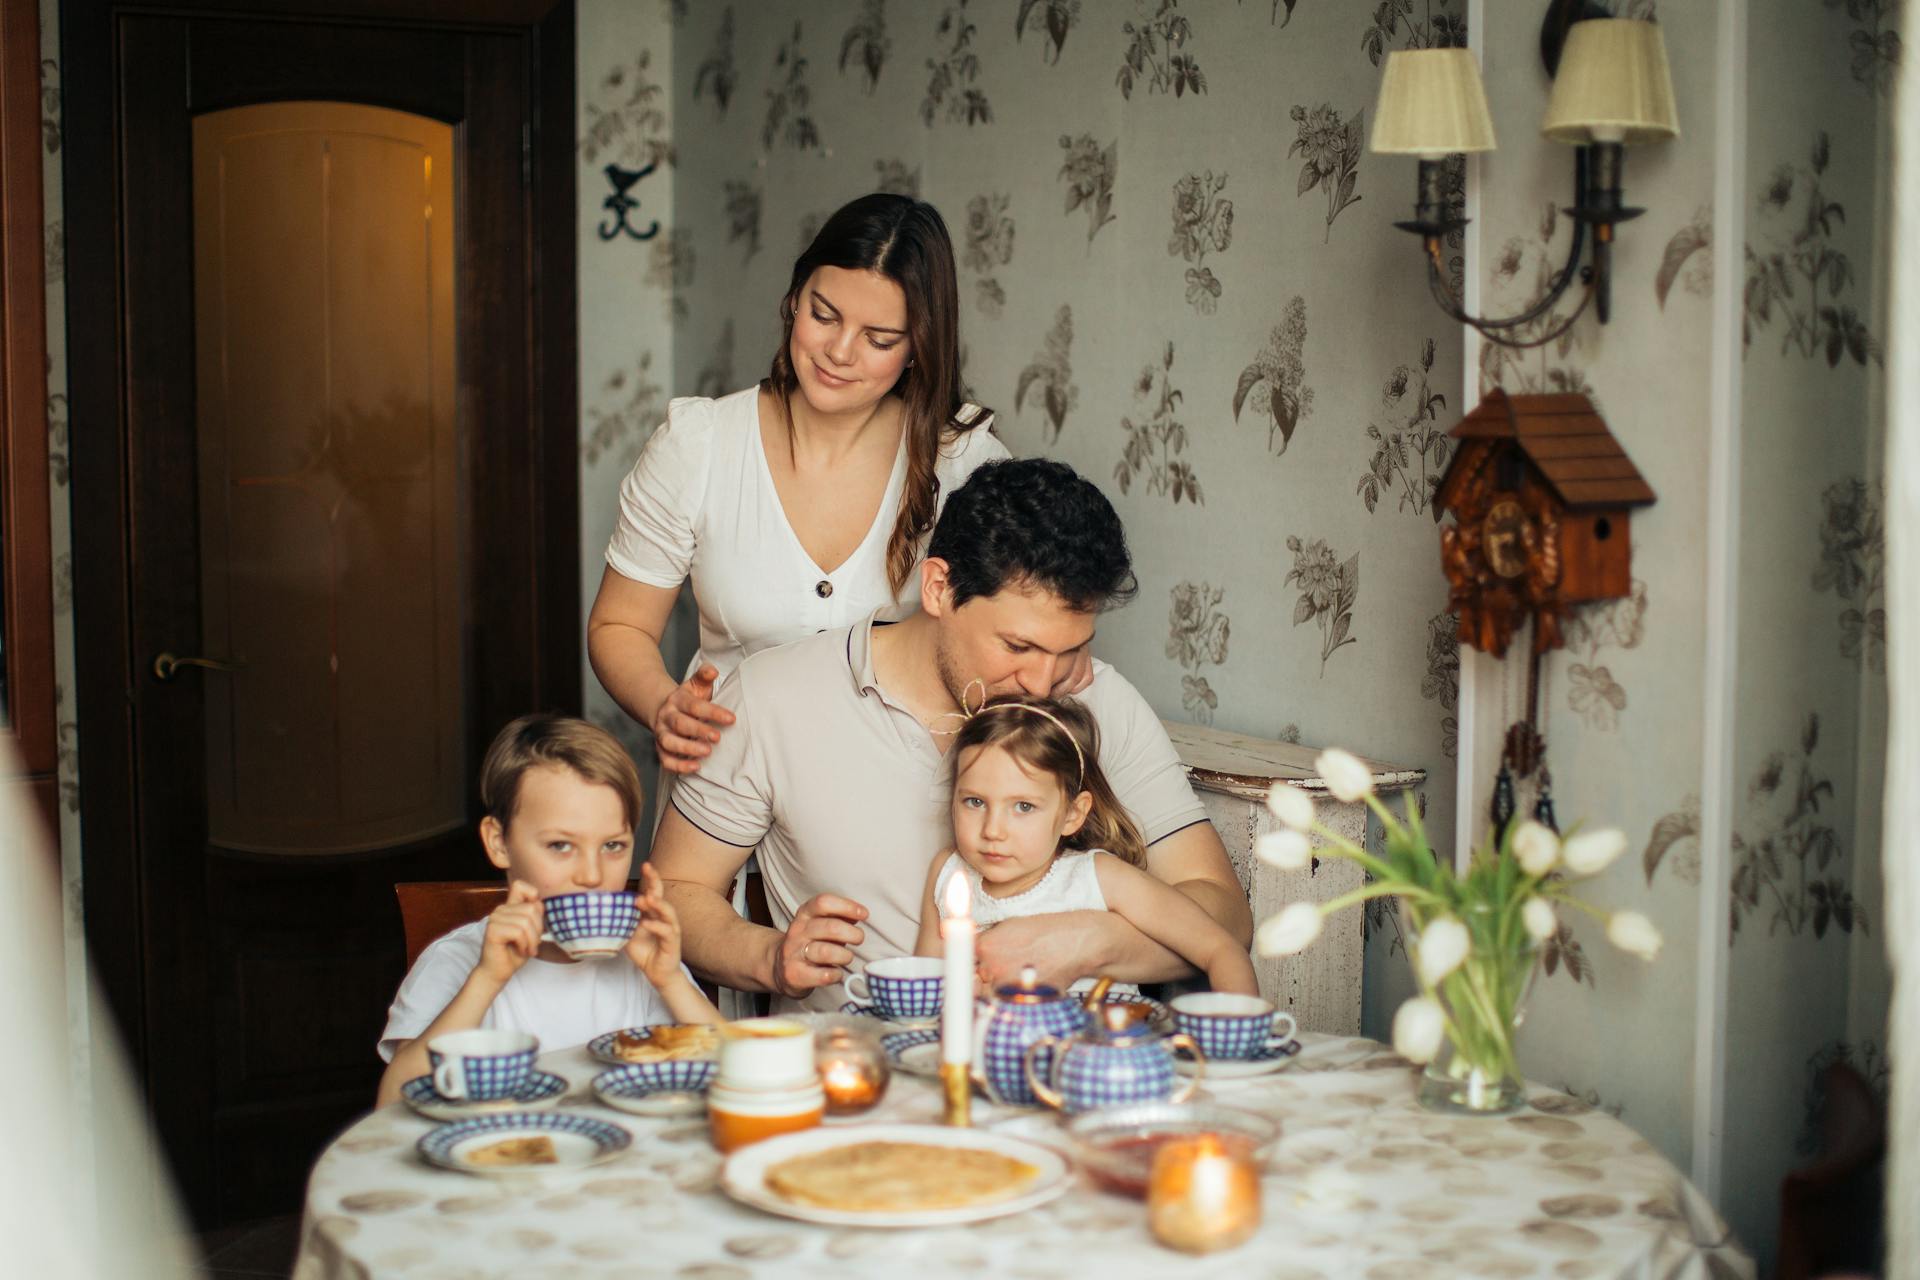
(513, 933)
(654, 946)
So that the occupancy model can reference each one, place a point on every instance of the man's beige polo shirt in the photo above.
(844, 791)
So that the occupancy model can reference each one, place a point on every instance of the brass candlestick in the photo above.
(957, 1085)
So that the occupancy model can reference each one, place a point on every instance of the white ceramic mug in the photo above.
(483, 1064)
(765, 1053)
(904, 988)
(1228, 1026)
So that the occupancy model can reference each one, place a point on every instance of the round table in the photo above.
(1364, 1183)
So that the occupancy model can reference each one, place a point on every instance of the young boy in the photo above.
(562, 799)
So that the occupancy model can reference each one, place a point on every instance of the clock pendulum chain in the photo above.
(1502, 808)
(1543, 803)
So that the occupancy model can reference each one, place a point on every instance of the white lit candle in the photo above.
(956, 1005)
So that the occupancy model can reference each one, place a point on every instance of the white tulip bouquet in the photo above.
(1475, 934)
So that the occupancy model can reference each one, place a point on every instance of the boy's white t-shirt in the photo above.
(563, 1004)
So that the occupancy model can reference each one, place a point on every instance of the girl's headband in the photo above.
(966, 713)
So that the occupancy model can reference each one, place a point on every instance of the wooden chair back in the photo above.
(430, 909)
(1830, 1209)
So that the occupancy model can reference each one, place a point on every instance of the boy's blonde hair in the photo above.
(1057, 737)
(532, 741)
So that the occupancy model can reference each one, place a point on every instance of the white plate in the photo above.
(578, 1141)
(744, 1175)
(1269, 1061)
(915, 1052)
(542, 1090)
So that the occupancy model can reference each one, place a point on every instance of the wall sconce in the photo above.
(1612, 90)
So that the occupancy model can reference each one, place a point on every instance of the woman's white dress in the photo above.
(700, 506)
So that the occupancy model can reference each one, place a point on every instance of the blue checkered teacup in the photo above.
(903, 988)
(482, 1065)
(1228, 1026)
(591, 924)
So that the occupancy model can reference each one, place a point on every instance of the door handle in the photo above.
(166, 666)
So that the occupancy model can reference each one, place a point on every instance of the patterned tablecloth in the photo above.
(1364, 1183)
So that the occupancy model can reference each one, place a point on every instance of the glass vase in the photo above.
(1475, 1072)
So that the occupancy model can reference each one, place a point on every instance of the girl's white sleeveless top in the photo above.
(1071, 884)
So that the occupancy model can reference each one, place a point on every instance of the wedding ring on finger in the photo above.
(804, 958)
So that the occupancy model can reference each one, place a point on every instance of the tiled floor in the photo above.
(251, 1250)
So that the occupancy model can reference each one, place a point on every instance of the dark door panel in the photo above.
(251, 972)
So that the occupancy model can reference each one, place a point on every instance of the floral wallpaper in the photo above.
(59, 452)
(1156, 441)
(1804, 909)
(1196, 319)
(1622, 705)
(633, 91)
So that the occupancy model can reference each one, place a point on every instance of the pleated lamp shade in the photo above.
(1613, 85)
(1431, 104)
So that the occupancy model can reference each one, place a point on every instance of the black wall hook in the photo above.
(620, 204)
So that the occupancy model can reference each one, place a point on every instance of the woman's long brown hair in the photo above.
(906, 241)
(1021, 727)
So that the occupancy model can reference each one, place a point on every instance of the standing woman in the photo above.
(803, 503)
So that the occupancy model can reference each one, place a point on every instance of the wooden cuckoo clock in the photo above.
(1539, 491)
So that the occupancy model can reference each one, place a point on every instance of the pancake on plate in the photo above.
(899, 1177)
(533, 1149)
(668, 1044)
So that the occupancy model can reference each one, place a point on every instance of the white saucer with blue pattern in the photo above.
(915, 1052)
(577, 1141)
(542, 1090)
(855, 1008)
(1273, 1058)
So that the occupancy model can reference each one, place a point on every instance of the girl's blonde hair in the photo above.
(1057, 736)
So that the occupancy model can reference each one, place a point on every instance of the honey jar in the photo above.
(738, 1117)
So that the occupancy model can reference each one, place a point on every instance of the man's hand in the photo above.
(654, 947)
(815, 950)
(1063, 947)
(513, 933)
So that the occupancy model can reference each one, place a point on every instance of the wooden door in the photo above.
(344, 391)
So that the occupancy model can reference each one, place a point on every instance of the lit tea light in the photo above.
(1204, 1193)
(853, 1071)
(849, 1089)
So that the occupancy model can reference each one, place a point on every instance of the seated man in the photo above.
(835, 768)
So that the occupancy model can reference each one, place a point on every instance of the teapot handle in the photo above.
(1041, 1089)
(1182, 1040)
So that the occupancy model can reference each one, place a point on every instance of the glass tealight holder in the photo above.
(853, 1069)
(1204, 1193)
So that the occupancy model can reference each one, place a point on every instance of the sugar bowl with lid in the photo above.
(1115, 1061)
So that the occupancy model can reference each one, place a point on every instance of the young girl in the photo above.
(1037, 830)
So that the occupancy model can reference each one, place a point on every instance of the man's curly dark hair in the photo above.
(1034, 521)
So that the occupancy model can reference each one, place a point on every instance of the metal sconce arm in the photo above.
(1433, 223)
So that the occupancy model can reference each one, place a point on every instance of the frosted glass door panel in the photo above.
(330, 524)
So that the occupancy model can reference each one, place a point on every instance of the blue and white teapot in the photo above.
(1113, 1062)
(1020, 1014)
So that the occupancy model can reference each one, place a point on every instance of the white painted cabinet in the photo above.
(1231, 772)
